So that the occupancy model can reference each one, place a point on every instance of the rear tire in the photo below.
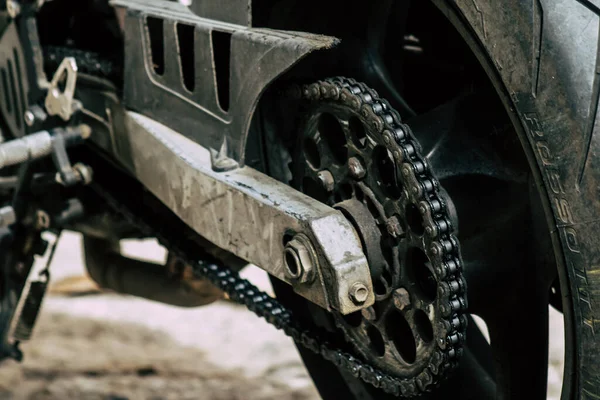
(539, 59)
(549, 83)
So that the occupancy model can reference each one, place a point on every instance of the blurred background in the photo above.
(90, 344)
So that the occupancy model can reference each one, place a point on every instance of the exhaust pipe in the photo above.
(167, 284)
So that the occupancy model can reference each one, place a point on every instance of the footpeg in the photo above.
(29, 303)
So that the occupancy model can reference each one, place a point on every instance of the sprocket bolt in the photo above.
(401, 298)
(326, 180)
(357, 170)
(393, 227)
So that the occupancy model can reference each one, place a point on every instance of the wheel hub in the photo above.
(370, 235)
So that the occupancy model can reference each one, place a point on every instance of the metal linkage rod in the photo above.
(39, 144)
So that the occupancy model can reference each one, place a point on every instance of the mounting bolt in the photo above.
(220, 160)
(326, 180)
(34, 114)
(369, 313)
(401, 298)
(85, 173)
(393, 227)
(29, 118)
(13, 8)
(300, 259)
(359, 293)
(356, 168)
(42, 220)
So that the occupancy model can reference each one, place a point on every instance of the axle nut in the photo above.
(359, 293)
(299, 259)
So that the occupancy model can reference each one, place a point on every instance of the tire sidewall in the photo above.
(553, 106)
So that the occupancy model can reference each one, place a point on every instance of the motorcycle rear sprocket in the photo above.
(399, 188)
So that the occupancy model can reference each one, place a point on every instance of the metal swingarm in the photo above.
(288, 234)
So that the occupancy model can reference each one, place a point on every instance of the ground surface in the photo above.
(106, 346)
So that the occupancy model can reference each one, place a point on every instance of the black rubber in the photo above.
(543, 58)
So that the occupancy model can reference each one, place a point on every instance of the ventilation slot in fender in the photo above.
(20, 80)
(13, 92)
(5, 89)
(185, 41)
(221, 44)
(157, 44)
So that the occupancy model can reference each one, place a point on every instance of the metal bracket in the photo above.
(253, 216)
(59, 102)
(68, 175)
(255, 59)
(219, 160)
